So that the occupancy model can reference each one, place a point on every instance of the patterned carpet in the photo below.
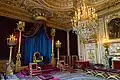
(75, 76)
(60, 75)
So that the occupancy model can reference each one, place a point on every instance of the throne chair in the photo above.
(37, 58)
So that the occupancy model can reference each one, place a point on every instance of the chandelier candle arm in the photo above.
(84, 21)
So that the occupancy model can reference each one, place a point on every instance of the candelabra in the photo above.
(58, 45)
(20, 27)
(53, 34)
(11, 41)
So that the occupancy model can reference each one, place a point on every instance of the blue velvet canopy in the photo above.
(37, 42)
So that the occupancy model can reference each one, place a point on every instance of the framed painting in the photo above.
(112, 28)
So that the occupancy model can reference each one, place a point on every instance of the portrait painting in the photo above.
(114, 28)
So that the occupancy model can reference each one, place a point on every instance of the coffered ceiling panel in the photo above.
(58, 12)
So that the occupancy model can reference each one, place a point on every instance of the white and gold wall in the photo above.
(95, 52)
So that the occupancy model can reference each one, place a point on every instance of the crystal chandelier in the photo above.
(84, 22)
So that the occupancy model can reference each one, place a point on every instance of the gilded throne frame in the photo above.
(35, 60)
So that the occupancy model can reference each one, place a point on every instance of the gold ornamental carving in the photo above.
(23, 9)
(20, 27)
(57, 4)
(11, 41)
(53, 61)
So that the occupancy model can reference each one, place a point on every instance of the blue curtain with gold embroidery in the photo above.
(37, 43)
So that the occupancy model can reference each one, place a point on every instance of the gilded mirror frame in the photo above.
(107, 20)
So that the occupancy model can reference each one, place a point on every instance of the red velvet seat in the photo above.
(34, 69)
(83, 64)
(63, 65)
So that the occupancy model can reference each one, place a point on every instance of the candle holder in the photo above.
(58, 45)
(11, 41)
(20, 27)
(53, 62)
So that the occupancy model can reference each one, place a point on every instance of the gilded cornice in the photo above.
(110, 10)
(55, 25)
(58, 12)
(61, 5)
(106, 5)
(16, 13)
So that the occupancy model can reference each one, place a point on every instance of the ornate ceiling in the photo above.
(58, 12)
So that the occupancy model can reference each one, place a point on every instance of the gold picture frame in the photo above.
(107, 21)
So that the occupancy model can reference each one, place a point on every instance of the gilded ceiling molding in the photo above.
(97, 2)
(61, 18)
(106, 5)
(8, 11)
(54, 25)
(57, 4)
(58, 12)
(107, 11)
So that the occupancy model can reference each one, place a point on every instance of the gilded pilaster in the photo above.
(101, 36)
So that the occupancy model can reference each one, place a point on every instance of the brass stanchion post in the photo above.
(53, 61)
(20, 27)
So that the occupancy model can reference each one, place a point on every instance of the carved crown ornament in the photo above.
(58, 13)
(40, 14)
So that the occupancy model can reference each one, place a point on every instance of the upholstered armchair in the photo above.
(74, 60)
(63, 65)
(34, 69)
(62, 59)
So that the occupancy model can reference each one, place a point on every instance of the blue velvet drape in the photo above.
(37, 43)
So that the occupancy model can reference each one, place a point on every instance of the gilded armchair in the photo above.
(37, 57)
